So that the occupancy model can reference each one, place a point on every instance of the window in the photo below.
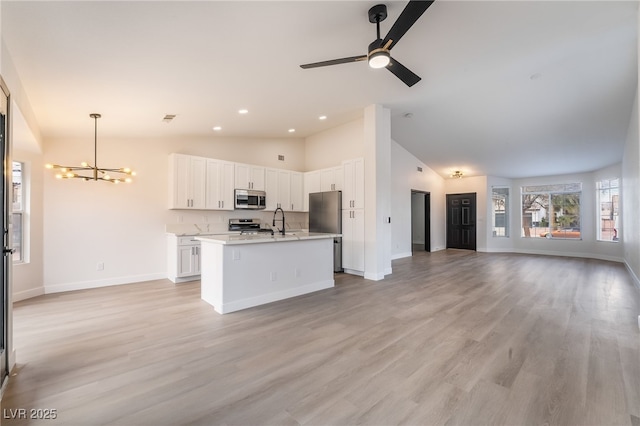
(608, 209)
(551, 211)
(18, 213)
(500, 203)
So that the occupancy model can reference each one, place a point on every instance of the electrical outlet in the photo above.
(100, 266)
(235, 255)
(274, 276)
(297, 272)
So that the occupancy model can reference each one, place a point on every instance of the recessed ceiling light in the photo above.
(217, 128)
(292, 130)
(243, 111)
(322, 117)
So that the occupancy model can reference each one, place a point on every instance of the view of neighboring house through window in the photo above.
(18, 213)
(608, 209)
(500, 203)
(551, 211)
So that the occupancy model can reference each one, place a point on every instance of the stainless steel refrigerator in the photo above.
(325, 215)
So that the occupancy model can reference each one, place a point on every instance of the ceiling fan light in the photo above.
(379, 59)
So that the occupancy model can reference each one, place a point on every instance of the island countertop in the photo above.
(264, 238)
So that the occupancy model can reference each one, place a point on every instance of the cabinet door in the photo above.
(219, 188)
(271, 188)
(212, 197)
(242, 178)
(297, 192)
(338, 177)
(353, 184)
(358, 183)
(257, 175)
(188, 176)
(179, 172)
(226, 184)
(198, 182)
(187, 264)
(326, 180)
(284, 189)
(353, 239)
(358, 239)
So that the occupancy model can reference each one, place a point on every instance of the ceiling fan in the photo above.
(378, 54)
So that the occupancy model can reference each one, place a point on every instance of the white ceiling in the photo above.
(509, 88)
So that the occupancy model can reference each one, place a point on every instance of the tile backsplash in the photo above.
(189, 222)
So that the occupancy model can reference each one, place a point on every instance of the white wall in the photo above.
(405, 177)
(631, 195)
(330, 147)
(587, 246)
(123, 226)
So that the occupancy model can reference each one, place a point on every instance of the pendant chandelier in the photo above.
(92, 172)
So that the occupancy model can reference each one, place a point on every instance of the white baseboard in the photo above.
(557, 253)
(83, 285)
(27, 294)
(636, 281)
(373, 276)
(354, 272)
(401, 255)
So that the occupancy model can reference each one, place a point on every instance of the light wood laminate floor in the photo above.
(453, 338)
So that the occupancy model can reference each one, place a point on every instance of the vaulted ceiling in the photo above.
(509, 88)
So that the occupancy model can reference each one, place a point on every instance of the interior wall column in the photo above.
(377, 171)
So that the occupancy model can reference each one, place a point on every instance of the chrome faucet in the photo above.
(274, 219)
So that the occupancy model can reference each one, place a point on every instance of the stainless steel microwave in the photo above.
(250, 199)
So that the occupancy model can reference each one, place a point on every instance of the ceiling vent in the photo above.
(168, 118)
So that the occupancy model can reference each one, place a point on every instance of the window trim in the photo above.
(567, 188)
(598, 206)
(507, 215)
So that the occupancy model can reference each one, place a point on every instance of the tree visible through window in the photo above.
(551, 211)
(609, 209)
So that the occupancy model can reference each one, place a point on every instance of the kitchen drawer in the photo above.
(187, 241)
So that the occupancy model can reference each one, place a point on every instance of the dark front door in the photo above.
(461, 221)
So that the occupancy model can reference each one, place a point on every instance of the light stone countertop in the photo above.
(264, 238)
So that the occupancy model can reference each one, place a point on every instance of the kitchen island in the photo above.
(242, 271)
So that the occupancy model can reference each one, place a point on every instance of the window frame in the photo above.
(550, 191)
(19, 255)
(615, 211)
(507, 216)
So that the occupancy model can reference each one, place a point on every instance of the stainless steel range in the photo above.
(248, 226)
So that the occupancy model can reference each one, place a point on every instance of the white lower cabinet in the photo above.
(353, 240)
(183, 255)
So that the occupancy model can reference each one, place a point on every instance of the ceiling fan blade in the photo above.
(408, 17)
(335, 62)
(403, 73)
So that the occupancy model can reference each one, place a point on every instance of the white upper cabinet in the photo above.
(284, 189)
(353, 184)
(248, 176)
(311, 185)
(220, 185)
(271, 188)
(331, 179)
(187, 176)
(297, 191)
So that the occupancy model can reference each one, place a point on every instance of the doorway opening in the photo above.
(420, 221)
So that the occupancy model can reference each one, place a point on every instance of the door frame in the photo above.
(7, 247)
(427, 219)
